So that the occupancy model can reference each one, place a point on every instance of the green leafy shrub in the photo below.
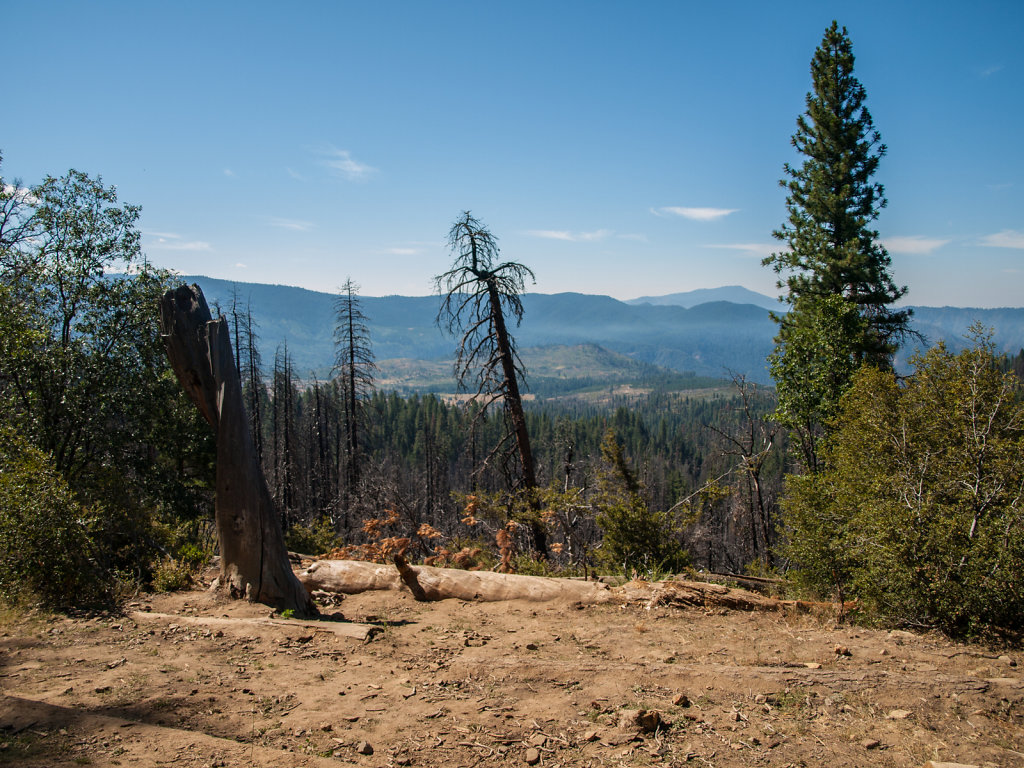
(920, 509)
(317, 538)
(48, 543)
(194, 556)
(637, 540)
(172, 575)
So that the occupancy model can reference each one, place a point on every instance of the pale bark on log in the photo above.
(427, 583)
(254, 562)
(694, 594)
(352, 577)
(700, 594)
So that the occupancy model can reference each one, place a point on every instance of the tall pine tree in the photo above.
(834, 270)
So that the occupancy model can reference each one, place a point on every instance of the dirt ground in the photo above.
(191, 679)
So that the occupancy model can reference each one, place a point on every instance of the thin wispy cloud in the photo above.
(633, 237)
(1008, 238)
(754, 249)
(228, 172)
(916, 244)
(296, 225)
(694, 214)
(343, 164)
(168, 241)
(401, 251)
(989, 71)
(295, 174)
(550, 234)
(240, 265)
(184, 245)
(570, 237)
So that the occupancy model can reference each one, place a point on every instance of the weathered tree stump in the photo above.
(254, 562)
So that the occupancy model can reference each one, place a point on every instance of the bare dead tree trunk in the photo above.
(253, 560)
(476, 292)
(513, 399)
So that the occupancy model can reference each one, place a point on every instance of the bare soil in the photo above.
(192, 679)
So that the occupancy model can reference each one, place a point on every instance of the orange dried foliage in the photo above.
(380, 551)
(465, 558)
(375, 526)
(427, 531)
(506, 546)
(393, 545)
(339, 553)
(373, 552)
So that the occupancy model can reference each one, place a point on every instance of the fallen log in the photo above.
(695, 594)
(352, 577)
(699, 594)
(348, 577)
(753, 583)
(428, 583)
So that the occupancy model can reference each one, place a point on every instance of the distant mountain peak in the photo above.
(734, 294)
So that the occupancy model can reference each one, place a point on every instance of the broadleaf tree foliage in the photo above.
(19, 226)
(833, 249)
(83, 377)
(88, 378)
(919, 509)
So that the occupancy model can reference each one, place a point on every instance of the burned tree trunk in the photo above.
(253, 560)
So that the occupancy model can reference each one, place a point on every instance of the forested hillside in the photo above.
(709, 340)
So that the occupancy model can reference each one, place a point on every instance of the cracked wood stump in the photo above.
(254, 562)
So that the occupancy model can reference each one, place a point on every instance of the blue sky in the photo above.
(615, 148)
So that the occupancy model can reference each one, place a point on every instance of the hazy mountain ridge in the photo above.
(710, 339)
(735, 294)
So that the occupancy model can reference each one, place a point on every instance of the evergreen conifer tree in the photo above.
(833, 252)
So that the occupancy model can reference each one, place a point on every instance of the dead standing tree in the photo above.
(477, 295)
(253, 560)
(751, 441)
(355, 368)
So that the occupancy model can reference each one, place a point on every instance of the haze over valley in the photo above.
(705, 333)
